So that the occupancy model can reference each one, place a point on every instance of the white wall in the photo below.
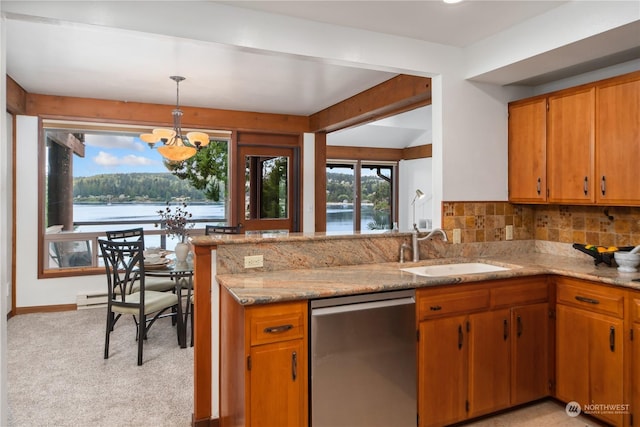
(308, 184)
(6, 194)
(31, 291)
(414, 174)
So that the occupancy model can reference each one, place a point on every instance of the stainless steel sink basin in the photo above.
(455, 269)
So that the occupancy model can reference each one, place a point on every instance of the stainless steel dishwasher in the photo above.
(363, 360)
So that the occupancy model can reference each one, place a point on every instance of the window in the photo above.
(361, 196)
(106, 179)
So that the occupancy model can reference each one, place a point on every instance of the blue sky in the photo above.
(116, 154)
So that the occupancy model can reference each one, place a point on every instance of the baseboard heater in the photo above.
(91, 300)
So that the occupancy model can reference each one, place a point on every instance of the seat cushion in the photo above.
(153, 301)
(160, 284)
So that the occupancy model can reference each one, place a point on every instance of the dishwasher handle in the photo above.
(362, 306)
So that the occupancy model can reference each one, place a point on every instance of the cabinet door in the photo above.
(618, 142)
(606, 365)
(442, 371)
(570, 145)
(489, 362)
(278, 385)
(527, 151)
(529, 353)
(572, 350)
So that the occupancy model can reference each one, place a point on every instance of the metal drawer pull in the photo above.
(586, 185)
(460, 337)
(587, 300)
(294, 366)
(603, 185)
(506, 329)
(612, 338)
(278, 329)
(539, 186)
(435, 308)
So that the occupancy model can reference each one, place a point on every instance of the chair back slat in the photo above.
(131, 235)
(124, 265)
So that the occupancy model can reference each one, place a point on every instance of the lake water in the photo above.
(339, 217)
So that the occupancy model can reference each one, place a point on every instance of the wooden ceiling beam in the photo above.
(68, 140)
(16, 97)
(100, 110)
(399, 94)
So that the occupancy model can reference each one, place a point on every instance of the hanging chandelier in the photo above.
(176, 147)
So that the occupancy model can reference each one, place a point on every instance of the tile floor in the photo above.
(547, 413)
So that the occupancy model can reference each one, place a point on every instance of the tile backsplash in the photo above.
(486, 222)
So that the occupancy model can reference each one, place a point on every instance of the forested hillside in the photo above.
(127, 187)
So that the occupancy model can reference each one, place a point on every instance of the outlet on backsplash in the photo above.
(457, 235)
(508, 233)
(253, 261)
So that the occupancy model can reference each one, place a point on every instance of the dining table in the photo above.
(181, 273)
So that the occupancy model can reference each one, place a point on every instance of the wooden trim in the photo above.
(377, 154)
(44, 309)
(99, 110)
(13, 213)
(202, 361)
(16, 97)
(417, 152)
(320, 196)
(399, 94)
(68, 140)
(363, 153)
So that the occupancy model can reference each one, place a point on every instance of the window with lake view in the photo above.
(110, 180)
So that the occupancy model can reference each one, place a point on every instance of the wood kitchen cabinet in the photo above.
(570, 145)
(528, 151)
(590, 346)
(618, 141)
(578, 145)
(468, 340)
(263, 364)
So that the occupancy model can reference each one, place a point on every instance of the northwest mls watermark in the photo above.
(573, 409)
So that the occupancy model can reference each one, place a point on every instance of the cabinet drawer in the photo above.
(277, 322)
(529, 292)
(452, 303)
(590, 297)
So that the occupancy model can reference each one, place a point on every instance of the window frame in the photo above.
(91, 238)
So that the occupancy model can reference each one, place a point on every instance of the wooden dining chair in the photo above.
(124, 266)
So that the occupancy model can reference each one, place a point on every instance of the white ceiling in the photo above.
(112, 50)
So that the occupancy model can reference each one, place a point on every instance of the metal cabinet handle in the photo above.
(539, 186)
(603, 185)
(435, 308)
(586, 185)
(278, 329)
(460, 337)
(612, 338)
(294, 366)
(506, 329)
(519, 322)
(587, 300)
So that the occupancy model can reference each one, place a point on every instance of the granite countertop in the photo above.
(288, 285)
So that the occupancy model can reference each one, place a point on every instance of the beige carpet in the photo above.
(58, 377)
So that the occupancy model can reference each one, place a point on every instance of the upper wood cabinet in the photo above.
(618, 137)
(570, 142)
(577, 146)
(527, 151)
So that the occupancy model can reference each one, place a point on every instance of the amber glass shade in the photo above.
(198, 139)
(164, 134)
(176, 153)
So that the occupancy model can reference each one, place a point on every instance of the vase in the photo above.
(182, 251)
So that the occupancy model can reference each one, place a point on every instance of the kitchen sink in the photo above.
(454, 269)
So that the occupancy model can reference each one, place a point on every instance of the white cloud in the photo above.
(114, 141)
(110, 161)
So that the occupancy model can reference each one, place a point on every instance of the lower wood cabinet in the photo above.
(590, 347)
(482, 348)
(263, 364)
